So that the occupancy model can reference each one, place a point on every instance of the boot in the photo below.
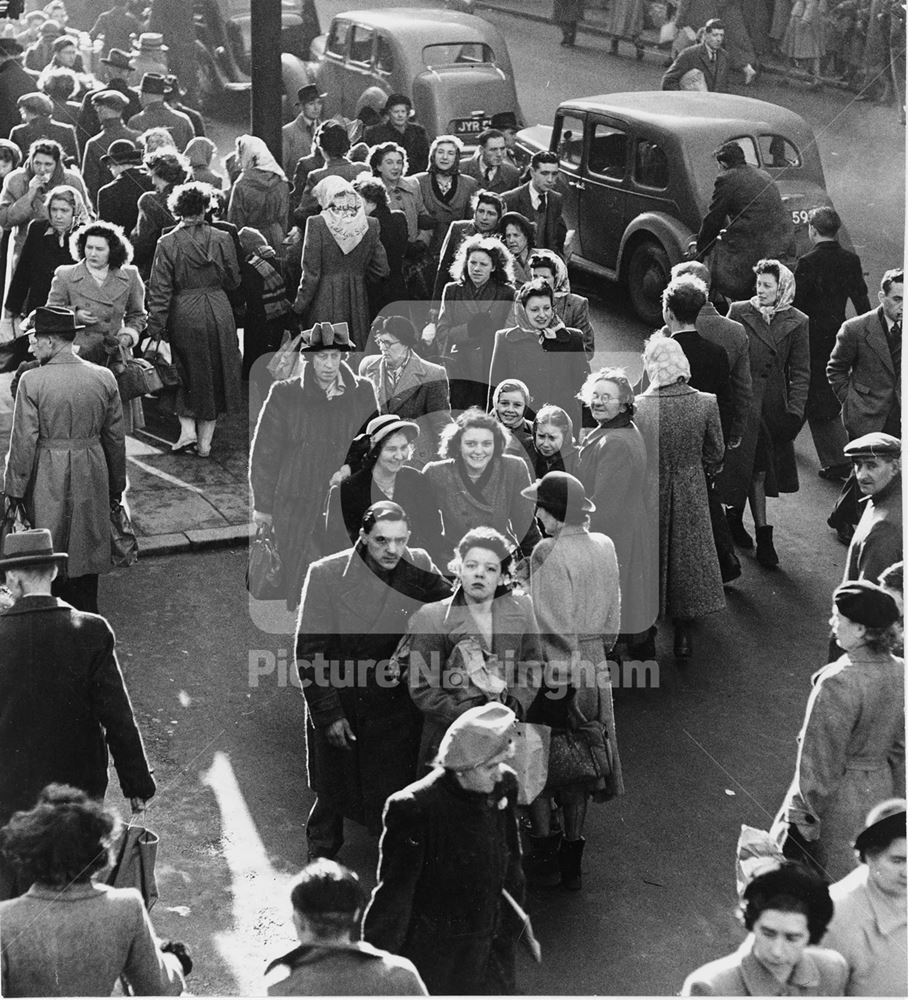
(735, 518)
(206, 433)
(766, 553)
(187, 438)
(541, 865)
(569, 858)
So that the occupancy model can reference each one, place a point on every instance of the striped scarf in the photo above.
(274, 293)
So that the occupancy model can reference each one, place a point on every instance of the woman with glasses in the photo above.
(342, 250)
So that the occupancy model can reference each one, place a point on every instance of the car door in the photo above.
(332, 68)
(360, 72)
(603, 191)
(568, 143)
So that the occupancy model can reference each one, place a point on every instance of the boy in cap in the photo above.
(331, 960)
(877, 540)
(449, 851)
(155, 112)
(36, 110)
(110, 106)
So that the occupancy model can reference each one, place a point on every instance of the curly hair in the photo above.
(449, 443)
(483, 197)
(502, 259)
(616, 375)
(379, 152)
(120, 247)
(332, 139)
(170, 167)
(768, 266)
(535, 288)
(65, 838)
(190, 199)
(483, 538)
(46, 147)
(157, 139)
(370, 188)
(59, 83)
(790, 888)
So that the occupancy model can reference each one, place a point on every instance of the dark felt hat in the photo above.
(118, 59)
(559, 492)
(309, 93)
(154, 83)
(866, 604)
(504, 120)
(56, 320)
(395, 99)
(29, 548)
(327, 337)
(122, 152)
(875, 445)
(51, 28)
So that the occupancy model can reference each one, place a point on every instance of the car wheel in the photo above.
(648, 272)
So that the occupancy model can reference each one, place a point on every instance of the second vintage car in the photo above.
(638, 172)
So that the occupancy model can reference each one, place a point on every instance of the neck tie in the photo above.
(541, 209)
(895, 345)
(490, 173)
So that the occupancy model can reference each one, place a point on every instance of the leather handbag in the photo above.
(135, 855)
(265, 573)
(135, 376)
(167, 372)
(572, 759)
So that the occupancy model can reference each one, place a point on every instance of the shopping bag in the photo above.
(14, 519)
(264, 574)
(531, 759)
(135, 854)
(757, 852)
(124, 546)
(287, 361)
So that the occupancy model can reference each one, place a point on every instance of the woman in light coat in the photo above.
(683, 438)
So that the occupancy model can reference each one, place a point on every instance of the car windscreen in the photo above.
(457, 53)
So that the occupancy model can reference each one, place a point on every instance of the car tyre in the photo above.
(648, 272)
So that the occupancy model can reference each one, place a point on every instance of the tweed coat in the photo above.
(683, 433)
(79, 940)
(63, 703)
(851, 754)
(260, 200)
(352, 618)
(67, 456)
(435, 676)
(421, 394)
(301, 439)
(445, 210)
(494, 501)
(119, 301)
(862, 375)
(612, 467)
(333, 284)
(780, 377)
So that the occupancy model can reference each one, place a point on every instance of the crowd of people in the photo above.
(473, 520)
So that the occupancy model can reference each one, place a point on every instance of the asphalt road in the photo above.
(707, 748)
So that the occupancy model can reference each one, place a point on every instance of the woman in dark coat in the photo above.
(300, 449)
(612, 467)
(683, 438)
(195, 266)
(167, 169)
(478, 302)
(342, 252)
(383, 476)
(392, 231)
(764, 464)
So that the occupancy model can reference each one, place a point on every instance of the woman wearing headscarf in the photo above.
(510, 402)
(200, 152)
(573, 310)
(342, 250)
(683, 438)
(10, 158)
(764, 464)
(260, 197)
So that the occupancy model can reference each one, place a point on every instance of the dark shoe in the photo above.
(541, 865)
(684, 646)
(730, 567)
(766, 552)
(835, 473)
(613, 46)
(739, 533)
(569, 858)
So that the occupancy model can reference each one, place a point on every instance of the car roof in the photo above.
(692, 112)
(422, 24)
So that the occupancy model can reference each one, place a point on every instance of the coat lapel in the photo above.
(108, 292)
(877, 342)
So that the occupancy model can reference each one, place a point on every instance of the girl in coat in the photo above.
(764, 464)
(260, 197)
(683, 438)
(851, 750)
(479, 301)
(195, 266)
(805, 38)
(342, 252)
(612, 467)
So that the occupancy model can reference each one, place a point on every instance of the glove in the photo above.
(179, 949)
(790, 426)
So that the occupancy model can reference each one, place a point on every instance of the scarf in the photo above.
(562, 282)
(665, 361)
(475, 486)
(622, 420)
(274, 292)
(785, 299)
(347, 231)
(200, 151)
(448, 195)
(253, 153)
(546, 333)
(81, 216)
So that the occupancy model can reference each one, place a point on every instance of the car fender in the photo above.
(670, 232)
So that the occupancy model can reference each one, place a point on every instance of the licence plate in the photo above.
(466, 127)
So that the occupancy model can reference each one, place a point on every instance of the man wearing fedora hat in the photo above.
(118, 201)
(116, 71)
(116, 26)
(36, 110)
(400, 127)
(362, 734)
(63, 701)
(155, 112)
(298, 136)
(110, 106)
(450, 850)
(15, 81)
(67, 455)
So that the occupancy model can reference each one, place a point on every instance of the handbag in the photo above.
(167, 372)
(135, 855)
(124, 546)
(573, 759)
(265, 572)
(135, 376)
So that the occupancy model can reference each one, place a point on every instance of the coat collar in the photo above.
(88, 285)
(760, 982)
(876, 336)
(36, 602)
(306, 953)
(677, 389)
(782, 325)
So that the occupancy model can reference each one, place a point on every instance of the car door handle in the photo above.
(577, 184)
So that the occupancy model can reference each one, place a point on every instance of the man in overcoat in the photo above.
(67, 453)
(63, 701)
(707, 56)
(538, 201)
(362, 731)
(828, 276)
(117, 70)
(745, 222)
(449, 851)
(118, 201)
(36, 110)
(864, 373)
(110, 106)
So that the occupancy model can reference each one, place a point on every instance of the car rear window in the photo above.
(750, 149)
(608, 152)
(777, 151)
(450, 53)
(337, 40)
(361, 44)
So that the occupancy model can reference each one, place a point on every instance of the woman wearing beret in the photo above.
(851, 748)
(786, 910)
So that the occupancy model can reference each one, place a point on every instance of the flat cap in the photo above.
(475, 737)
(110, 99)
(866, 603)
(875, 445)
(36, 103)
